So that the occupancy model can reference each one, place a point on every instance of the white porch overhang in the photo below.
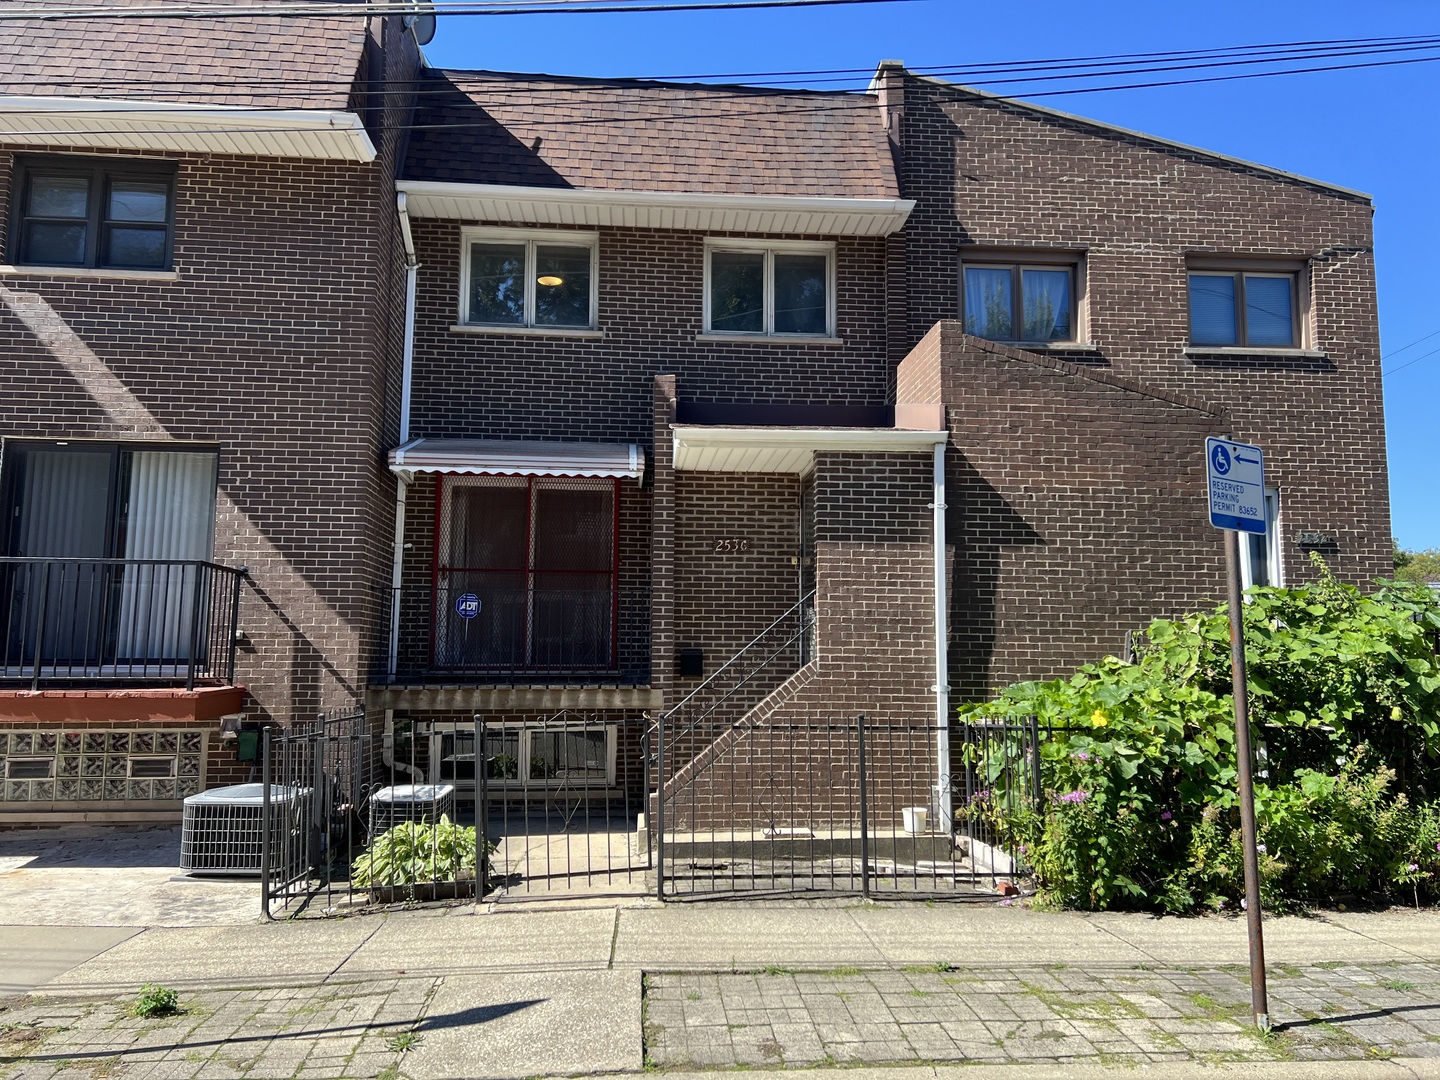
(518, 457)
(787, 450)
(805, 216)
(310, 134)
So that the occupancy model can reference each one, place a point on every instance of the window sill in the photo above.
(102, 273)
(527, 331)
(1218, 352)
(1053, 346)
(766, 339)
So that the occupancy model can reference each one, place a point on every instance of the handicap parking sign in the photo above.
(467, 606)
(1235, 475)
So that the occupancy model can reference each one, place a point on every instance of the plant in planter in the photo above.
(419, 860)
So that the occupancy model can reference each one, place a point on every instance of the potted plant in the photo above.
(420, 860)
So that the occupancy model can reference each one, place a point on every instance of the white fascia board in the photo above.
(320, 134)
(810, 216)
(733, 449)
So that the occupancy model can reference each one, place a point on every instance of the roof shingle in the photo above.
(255, 62)
(485, 127)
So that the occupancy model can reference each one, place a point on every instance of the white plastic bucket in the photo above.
(914, 818)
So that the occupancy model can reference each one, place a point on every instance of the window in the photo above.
(1020, 301)
(1239, 308)
(78, 212)
(29, 768)
(152, 768)
(770, 290)
(559, 752)
(526, 574)
(523, 278)
(89, 503)
(1260, 553)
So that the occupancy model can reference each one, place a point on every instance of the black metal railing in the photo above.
(723, 699)
(161, 621)
(512, 635)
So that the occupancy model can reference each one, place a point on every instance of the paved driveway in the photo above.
(115, 876)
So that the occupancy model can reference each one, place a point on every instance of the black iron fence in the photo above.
(143, 620)
(354, 816)
(475, 629)
(843, 807)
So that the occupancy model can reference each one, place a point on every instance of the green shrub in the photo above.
(1139, 806)
(155, 1001)
(416, 852)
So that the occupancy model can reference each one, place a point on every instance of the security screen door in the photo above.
(539, 556)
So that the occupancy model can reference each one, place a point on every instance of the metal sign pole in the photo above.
(1259, 998)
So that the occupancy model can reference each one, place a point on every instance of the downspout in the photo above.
(402, 486)
(402, 480)
(943, 794)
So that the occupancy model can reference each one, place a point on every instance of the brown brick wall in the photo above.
(266, 347)
(1076, 509)
(989, 174)
(650, 310)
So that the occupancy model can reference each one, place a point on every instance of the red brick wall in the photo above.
(986, 173)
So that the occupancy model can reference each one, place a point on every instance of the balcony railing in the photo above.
(86, 621)
(479, 632)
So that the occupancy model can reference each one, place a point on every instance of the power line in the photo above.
(1410, 363)
(409, 7)
(857, 103)
(1407, 348)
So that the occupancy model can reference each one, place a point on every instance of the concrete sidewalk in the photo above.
(555, 990)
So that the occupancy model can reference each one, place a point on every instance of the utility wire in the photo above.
(1410, 363)
(491, 7)
(856, 104)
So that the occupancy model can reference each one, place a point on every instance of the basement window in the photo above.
(29, 768)
(152, 768)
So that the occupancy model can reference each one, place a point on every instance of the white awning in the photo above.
(324, 135)
(518, 457)
(786, 450)
(801, 215)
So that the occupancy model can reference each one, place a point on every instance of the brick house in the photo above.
(876, 400)
(199, 311)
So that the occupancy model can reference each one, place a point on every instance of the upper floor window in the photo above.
(1239, 308)
(113, 214)
(527, 278)
(1020, 301)
(775, 289)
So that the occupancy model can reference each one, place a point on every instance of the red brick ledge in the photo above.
(154, 705)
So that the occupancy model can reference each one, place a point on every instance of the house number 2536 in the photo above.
(731, 546)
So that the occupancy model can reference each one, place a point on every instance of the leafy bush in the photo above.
(155, 1001)
(1139, 805)
(418, 852)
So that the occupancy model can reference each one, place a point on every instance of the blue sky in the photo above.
(1371, 129)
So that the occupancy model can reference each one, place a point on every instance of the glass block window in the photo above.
(78, 768)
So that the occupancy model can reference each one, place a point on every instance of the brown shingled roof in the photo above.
(183, 60)
(616, 135)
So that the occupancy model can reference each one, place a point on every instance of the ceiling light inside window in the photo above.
(550, 279)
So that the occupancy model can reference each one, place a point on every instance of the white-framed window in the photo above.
(1238, 307)
(1260, 553)
(526, 278)
(756, 288)
(520, 755)
(19, 768)
(1027, 298)
(152, 768)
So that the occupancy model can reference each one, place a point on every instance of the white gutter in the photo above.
(943, 794)
(402, 482)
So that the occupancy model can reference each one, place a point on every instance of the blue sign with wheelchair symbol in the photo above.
(467, 606)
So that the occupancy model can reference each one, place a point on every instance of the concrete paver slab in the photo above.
(1223, 940)
(266, 954)
(979, 935)
(728, 937)
(33, 955)
(1416, 933)
(514, 1026)
(500, 941)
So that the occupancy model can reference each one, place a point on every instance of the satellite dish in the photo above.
(424, 29)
